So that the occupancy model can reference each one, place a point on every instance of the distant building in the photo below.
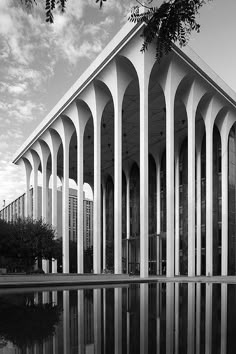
(16, 209)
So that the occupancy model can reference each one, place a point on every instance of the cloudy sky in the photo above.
(39, 63)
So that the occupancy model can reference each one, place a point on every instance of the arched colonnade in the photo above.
(136, 130)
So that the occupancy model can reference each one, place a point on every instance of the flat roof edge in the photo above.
(125, 33)
(114, 46)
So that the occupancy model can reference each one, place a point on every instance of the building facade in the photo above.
(16, 209)
(156, 142)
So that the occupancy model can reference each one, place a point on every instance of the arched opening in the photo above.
(163, 216)
(109, 224)
(124, 226)
(183, 207)
(134, 246)
(152, 216)
(203, 206)
(232, 201)
(216, 202)
(88, 161)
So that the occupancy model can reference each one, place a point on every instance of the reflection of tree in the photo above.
(23, 322)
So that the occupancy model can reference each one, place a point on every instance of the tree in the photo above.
(25, 322)
(26, 240)
(172, 21)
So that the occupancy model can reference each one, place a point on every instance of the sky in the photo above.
(39, 62)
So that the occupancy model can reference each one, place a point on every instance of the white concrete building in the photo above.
(156, 142)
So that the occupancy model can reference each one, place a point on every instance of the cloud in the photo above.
(12, 181)
(21, 110)
(14, 89)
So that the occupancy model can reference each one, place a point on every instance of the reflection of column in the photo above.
(223, 346)
(208, 322)
(104, 320)
(191, 318)
(45, 296)
(158, 182)
(118, 320)
(66, 322)
(143, 318)
(127, 219)
(198, 211)
(198, 318)
(158, 319)
(45, 300)
(104, 226)
(55, 336)
(169, 318)
(97, 319)
(177, 211)
(128, 332)
(176, 318)
(81, 323)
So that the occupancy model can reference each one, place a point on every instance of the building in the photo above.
(16, 209)
(156, 141)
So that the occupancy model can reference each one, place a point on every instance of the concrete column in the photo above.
(53, 141)
(144, 227)
(65, 209)
(209, 200)
(198, 208)
(177, 212)
(35, 194)
(191, 192)
(36, 162)
(97, 199)
(118, 184)
(158, 182)
(104, 225)
(65, 129)
(54, 202)
(80, 202)
(224, 211)
(169, 186)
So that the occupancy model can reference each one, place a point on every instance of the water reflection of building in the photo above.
(147, 318)
(156, 141)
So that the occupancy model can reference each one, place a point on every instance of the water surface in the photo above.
(136, 318)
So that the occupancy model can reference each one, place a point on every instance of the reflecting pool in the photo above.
(135, 318)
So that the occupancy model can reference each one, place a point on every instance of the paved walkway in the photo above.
(68, 280)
